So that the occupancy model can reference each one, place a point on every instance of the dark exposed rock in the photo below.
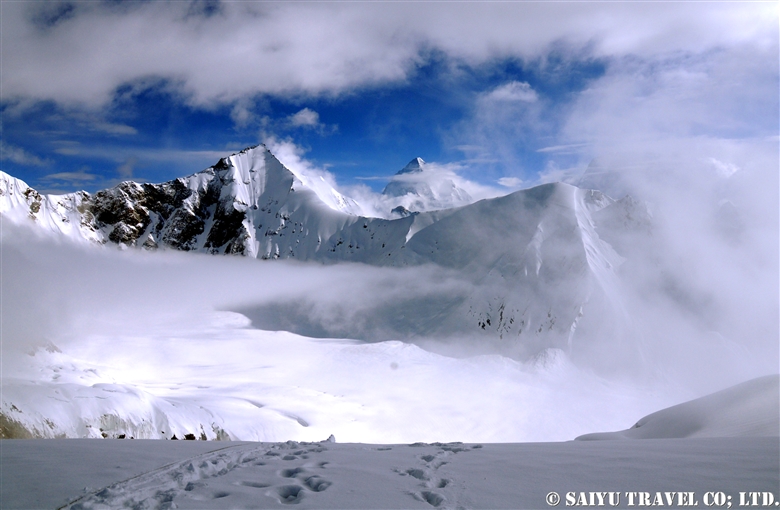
(402, 211)
(182, 229)
(13, 429)
(228, 226)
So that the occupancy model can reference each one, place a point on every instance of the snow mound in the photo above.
(750, 409)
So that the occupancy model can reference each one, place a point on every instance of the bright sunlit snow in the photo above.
(153, 358)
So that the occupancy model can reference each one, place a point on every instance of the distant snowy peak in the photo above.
(403, 182)
(418, 187)
(414, 166)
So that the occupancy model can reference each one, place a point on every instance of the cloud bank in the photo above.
(238, 49)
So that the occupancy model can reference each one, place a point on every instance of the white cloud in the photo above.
(20, 156)
(292, 156)
(241, 114)
(440, 178)
(305, 118)
(74, 178)
(115, 129)
(567, 148)
(439, 186)
(293, 48)
(510, 182)
(513, 91)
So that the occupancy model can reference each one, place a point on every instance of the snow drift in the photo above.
(748, 409)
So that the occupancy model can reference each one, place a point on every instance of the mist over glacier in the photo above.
(571, 309)
(161, 329)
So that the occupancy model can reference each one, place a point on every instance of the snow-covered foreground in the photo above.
(218, 379)
(210, 475)
(740, 460)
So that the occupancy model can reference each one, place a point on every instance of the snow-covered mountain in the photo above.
(417, 187)
(247, 204)
(528, 298)
(538, 256)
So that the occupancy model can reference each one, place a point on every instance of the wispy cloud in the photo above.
(114, 129)
(568, 148)
(305, 118)
(513, 91)
(309, 119)
(73, 178)
(374, 177)
(125, 170)
(510, 182)
(242, 113)
(20, 156)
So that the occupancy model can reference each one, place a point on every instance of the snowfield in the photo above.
(220, 379)
(198, 474)
(145, 474)
(736, 449)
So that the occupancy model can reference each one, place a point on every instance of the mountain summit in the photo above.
(421, 187)
(414, 166)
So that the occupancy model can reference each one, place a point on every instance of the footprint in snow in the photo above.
(290, 494)
(230, 471)
(427, 474)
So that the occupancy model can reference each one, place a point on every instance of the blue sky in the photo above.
(504, 94)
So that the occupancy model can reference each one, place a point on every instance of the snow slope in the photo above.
(324, 474)
(61, 215)
(328, 475)
(728, 442)
(748, 409)
(217, 379)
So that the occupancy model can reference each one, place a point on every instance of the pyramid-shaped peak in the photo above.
(415, 165)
